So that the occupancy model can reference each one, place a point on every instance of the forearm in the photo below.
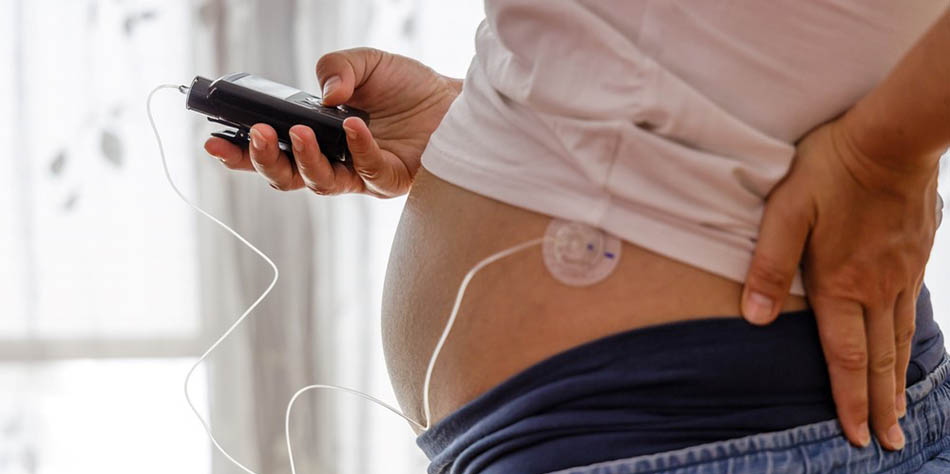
(904, 122)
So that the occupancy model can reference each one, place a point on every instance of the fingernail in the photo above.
(895, 436)
(758, 307)
(296, 142)
(901, 405)
(350, 133)
(864, 435)
(330, 85)
(257, 141)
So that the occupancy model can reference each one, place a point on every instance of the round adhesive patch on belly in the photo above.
(577, 254)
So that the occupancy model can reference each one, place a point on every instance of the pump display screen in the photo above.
(270, 88)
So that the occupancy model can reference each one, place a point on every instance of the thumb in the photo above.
(341, 72)
(782, 235)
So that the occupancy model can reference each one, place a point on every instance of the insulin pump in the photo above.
(240, 100)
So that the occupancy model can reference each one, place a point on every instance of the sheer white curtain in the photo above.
(111, 287)
(99, 313)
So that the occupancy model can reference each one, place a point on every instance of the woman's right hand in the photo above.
(406, 101)
(865, 229)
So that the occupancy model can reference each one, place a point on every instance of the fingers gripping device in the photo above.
(240, 100)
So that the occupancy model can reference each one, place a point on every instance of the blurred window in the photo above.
(100, 306)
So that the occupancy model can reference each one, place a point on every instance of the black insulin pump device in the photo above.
(241, 100)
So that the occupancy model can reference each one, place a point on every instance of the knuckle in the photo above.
(329, 64)
(883, 362)
(766, 274)
(370, 55)
(320, 189)
(357, 147)
(853, 404)
(849, 355)
(851, 280)
(259, 156)
(856, 406)
(326, 58)
(369, 173)
(904, 336)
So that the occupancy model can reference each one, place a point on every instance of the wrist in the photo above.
(870, 132)
(448, 89)
(873, 163)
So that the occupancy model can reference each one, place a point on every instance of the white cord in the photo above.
(455, 309)
(290, 451)
(435, 353)
(161, 151)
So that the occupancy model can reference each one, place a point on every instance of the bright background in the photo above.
(111, 287)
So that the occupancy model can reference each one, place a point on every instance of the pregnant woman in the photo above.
(772, 160)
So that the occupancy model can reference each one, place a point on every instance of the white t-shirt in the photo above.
(665, 123)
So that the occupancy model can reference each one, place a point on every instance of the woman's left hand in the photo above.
(406, 101)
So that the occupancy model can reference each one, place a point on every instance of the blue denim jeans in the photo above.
(815, 448)
(679, 388)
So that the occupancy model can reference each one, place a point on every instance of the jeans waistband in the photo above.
(816, 448)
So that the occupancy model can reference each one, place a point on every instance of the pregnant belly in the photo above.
(514, 313)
